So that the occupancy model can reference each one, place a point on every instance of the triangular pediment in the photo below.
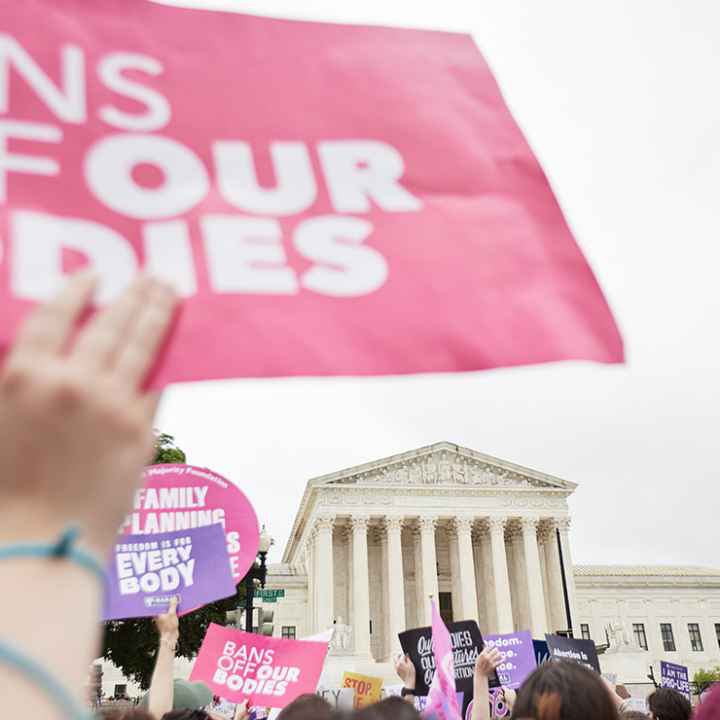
(443, 464)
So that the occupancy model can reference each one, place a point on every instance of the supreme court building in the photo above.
(488, 540)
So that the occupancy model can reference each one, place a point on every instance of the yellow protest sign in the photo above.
(367, 689)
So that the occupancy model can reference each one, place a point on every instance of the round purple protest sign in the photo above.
(178, 497)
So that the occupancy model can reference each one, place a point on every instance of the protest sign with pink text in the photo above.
(402, 225)
(179, 497)
(270, 672)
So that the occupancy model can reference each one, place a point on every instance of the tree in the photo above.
(132, 644)
(166, 452)
(703, 679)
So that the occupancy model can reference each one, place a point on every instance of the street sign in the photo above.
(270, 595)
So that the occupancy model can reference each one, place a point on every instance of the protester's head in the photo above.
(307, 707)
(393, 708)
(561, 690)
(125, 714)
(633, 715)
(186, 715)
(667, 704)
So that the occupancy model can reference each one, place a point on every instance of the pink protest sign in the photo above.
(179, 497)
(269, 671)
(402, 225)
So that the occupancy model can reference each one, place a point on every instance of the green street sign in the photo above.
(270, 595)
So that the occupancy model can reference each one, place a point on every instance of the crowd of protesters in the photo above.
(557, 690)
(75, 432)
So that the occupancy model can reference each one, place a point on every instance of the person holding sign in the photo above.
(160, 695)
(405, 669)
(485, 666)
(75, 434)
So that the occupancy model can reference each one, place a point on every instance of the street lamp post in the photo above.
(566, 596)
(258, 572)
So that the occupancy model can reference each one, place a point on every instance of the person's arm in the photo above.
(242, 711)
(160, 695)
(612, 691)
(485, 666)
(75, 433)
(406, 672)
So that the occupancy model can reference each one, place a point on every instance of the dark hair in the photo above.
(186, 715)
(563, 690)
(307, 707)
(125, 714)
(633, 715)
(392, 708)
(668, 704)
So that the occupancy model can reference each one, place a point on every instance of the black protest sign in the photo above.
(467, 644)
(582, 651)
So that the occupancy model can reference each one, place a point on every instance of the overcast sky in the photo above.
(621, 102)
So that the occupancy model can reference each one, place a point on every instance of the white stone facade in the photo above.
(371, 544)
(650, 597)
(377, 541)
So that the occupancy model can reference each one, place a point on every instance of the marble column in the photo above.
(419, 600)
(516, 574)
(533, 578)
(396, 582)
(324, 575)
(382, 621)
(564, 527)
(468, 592)
(428, 554)
(487, 593)
(556, 596)
(310, 570)
(361, 590)
(542, 539)
(503, 603)
(455, 587)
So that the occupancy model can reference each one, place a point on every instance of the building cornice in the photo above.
(405, 458)
(645, 576)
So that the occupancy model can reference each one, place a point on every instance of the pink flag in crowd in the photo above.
(442, 701)
(401, 226)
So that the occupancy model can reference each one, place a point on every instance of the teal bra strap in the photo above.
(64, 548)
(37, 675)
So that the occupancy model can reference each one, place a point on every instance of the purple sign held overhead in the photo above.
(147, 571)
(518, 657)
(675, 677)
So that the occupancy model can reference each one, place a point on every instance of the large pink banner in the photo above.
(329, 199)
(270, 672)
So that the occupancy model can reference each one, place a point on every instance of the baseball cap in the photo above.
(187, 695)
